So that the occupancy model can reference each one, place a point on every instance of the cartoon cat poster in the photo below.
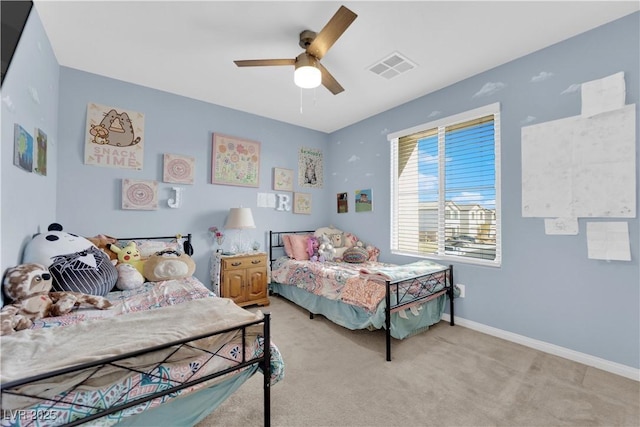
(114, 137)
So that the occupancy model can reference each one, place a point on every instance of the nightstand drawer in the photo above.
(234, 263)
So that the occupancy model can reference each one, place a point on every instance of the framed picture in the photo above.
(235, 161)
(40, 166)
(343, 203)
(364, 201)
(139, 194)
(22, 148)
(310, 170)
(114, 137)
(178, 169)
(282, 179)
(302, 203)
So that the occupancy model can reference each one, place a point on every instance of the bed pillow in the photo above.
(89, 271)
(151, 247)
(350, 240)
(355, 255)
(287, 245)
(299, 246)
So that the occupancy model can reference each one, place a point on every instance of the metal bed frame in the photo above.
(408, 292)
(92, 368)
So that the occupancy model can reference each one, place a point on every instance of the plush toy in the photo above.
(29, 286)
(102, 242)
(166, 265)
(326, 249)
(128, 277)
(75, 263)
(312, 248)
(129, 255)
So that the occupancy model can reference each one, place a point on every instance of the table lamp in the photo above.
(240, 219)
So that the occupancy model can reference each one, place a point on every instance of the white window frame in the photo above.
(492, 109)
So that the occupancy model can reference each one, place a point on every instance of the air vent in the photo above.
(392, 66)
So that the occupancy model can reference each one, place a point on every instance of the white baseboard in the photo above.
(576, 356)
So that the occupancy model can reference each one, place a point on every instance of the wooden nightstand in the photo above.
(243, 278)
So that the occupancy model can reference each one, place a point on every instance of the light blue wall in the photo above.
(546, 289)
(89, 197)
(29, 98)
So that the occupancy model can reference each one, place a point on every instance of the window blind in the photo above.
(445, 181)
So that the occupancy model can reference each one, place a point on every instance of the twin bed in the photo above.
(167, 352)
(401, 299)
(172, 351)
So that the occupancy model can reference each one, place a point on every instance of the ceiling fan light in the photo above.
(307, 77)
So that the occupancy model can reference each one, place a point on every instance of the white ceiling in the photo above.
(188, 47)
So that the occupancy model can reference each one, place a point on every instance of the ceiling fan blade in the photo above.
(329, 82)
(337, 25)
(264, 62)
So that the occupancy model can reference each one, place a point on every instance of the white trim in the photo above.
(576, 356)
(467, 115)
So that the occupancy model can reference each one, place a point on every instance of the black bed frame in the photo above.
(91, 368)
(399, 288)
(186, 245)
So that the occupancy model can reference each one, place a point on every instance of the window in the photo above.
(445, 194)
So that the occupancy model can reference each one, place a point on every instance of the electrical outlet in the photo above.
(461, 287)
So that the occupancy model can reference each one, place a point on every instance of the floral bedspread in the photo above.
(151, 296)
(361, 285)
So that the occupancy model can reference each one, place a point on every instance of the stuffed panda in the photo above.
(75, 263)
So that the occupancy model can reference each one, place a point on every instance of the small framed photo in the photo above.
(282, 179)
(364, 200)
(22, 148)
(343, 202)
(302, 203)
(40, 157)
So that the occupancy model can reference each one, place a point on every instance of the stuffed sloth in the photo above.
(29, 286)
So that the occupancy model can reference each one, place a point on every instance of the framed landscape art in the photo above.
(364, 200)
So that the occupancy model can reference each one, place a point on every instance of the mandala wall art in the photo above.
(235, 161)
(178, 169)
(139, 194)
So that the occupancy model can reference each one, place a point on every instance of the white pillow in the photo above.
(150, 247)
(326, 230)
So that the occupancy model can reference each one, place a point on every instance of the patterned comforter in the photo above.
(362, 285)
(189, 309)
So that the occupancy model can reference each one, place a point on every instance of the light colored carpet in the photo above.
(447, 376)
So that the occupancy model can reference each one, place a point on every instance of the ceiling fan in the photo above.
(309, 72)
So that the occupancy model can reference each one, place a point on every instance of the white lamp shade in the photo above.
(240, 218)
(307, 77)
